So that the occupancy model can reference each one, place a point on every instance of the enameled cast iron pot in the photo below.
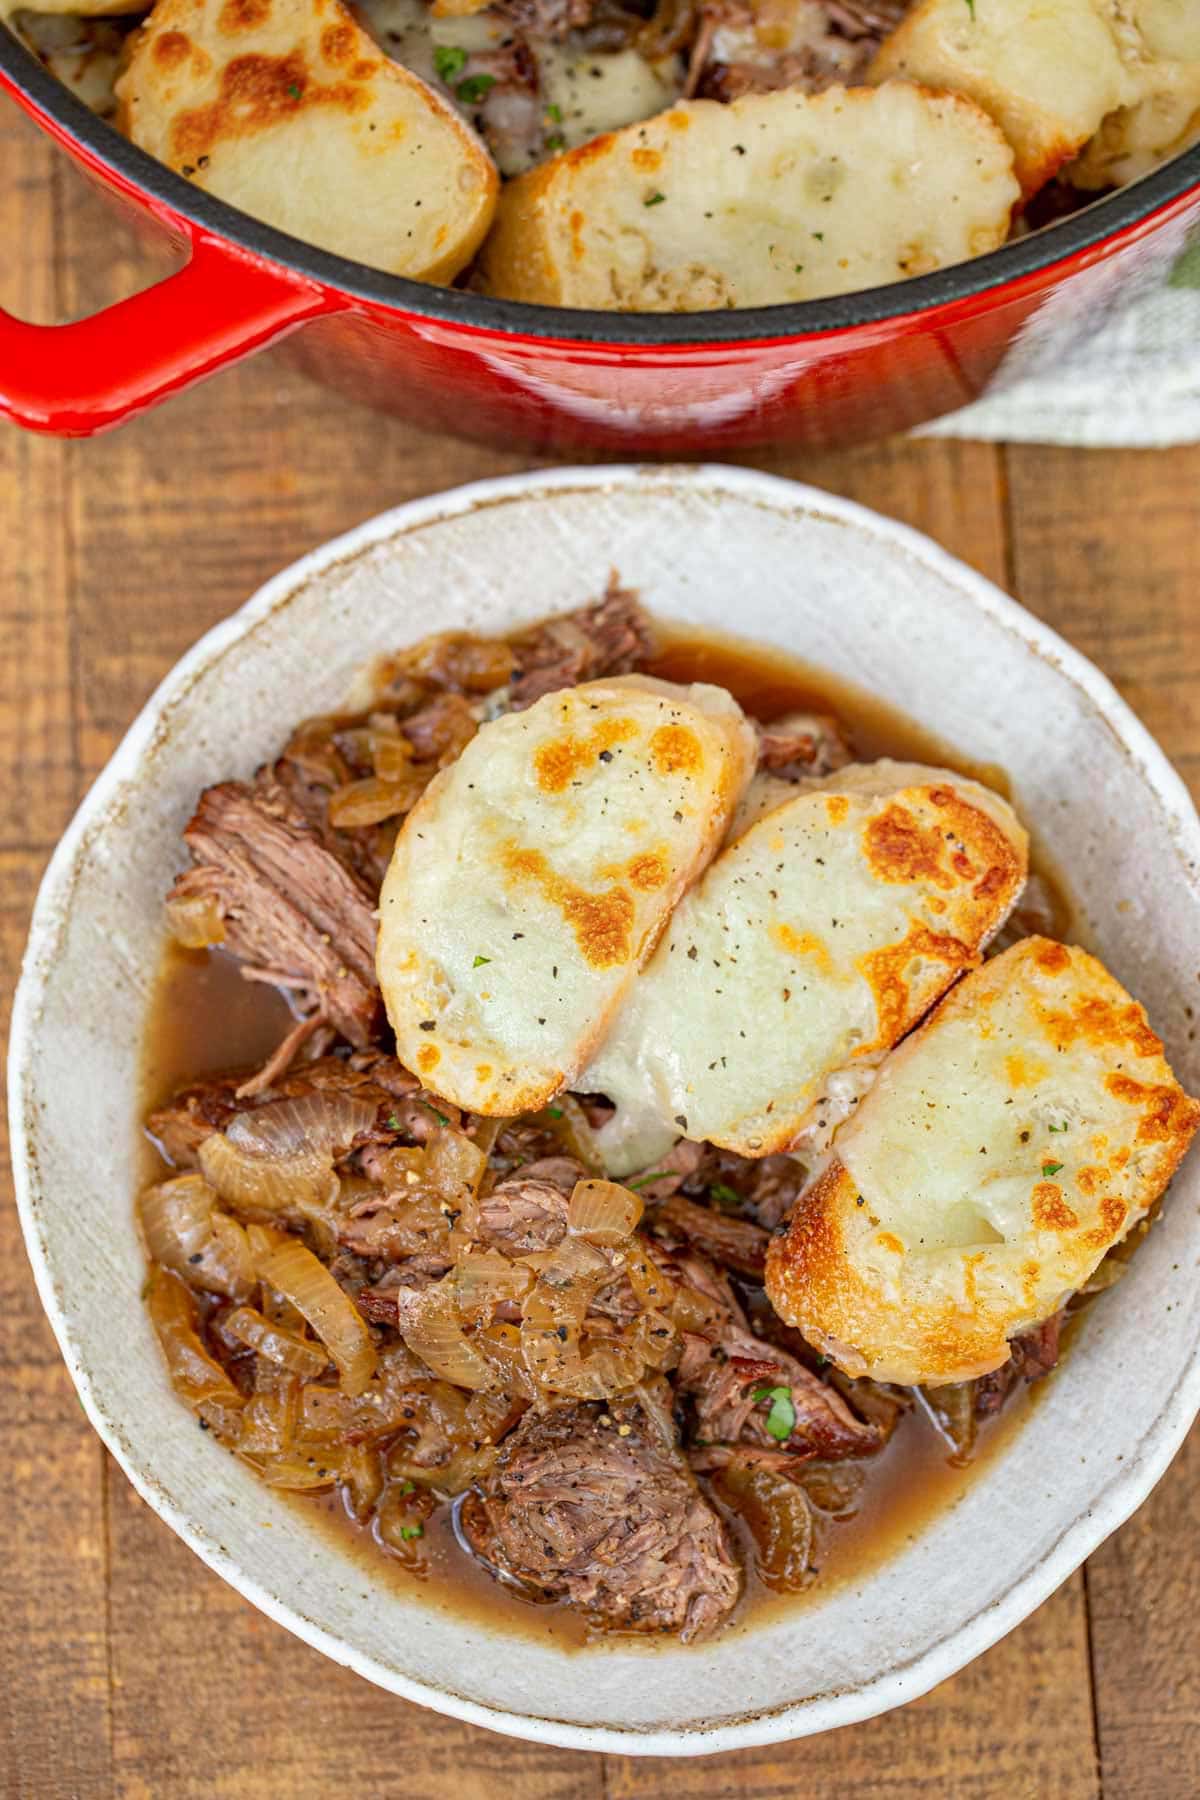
(820, 373)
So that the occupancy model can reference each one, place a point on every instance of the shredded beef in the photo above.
(737, 1243)
(528, 1212)
(725, 1371)
(294, 912)
(586, 1503)
(607, 638)
(1034, 1354)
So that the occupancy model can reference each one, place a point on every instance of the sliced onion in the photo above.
(436, 1336)
(195, 1376)
(301, 1474)
(454, 1166)
(370, 801)
(296, 1354)
(552, 1322)
(391, 752)
(779, 1519)
(483, 1279)
(195, 920)
(362, 1480)
(603, 1212)
(187, 1233)
(569, 1124)
(296, 1273)
(325, 1121)
(269, 1420)
(302, 1184)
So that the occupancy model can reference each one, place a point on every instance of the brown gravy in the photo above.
(205, 1019)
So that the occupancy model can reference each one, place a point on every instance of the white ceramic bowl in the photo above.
(856, 595)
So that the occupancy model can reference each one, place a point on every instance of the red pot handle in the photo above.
(74, 380)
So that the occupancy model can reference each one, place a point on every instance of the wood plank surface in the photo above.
(127, 1668)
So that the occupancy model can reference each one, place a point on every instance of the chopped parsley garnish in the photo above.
(293, 91)
(554, 114)
(654, 200)
(557, 142)
(412, 1531)
(970, 4)
(475, 88)
(720, 1190)
(556, 1112)
(1051, 1168)
(392, 1122)
(645, 1180)
(1061, 1127)
(781, 1420)
(439, 1116)
(407, 1487)
(448, 61)
(479, 961)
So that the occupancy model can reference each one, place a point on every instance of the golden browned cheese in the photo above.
(1003, 1150)
(533, 878)
(811, 944)
(289, 110)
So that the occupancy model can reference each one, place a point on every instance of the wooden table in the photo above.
(125, 1666)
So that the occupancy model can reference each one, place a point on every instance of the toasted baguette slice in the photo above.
(1161, 39)
(814, 942)
(775, 197)
(1047, 73)
(287, 109)
(1002, 1151)
(534, 876)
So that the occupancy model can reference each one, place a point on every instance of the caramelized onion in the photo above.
(188, 1234)
(195, 1376)
(279, 1158)
(362, 1480)
(482, 1280)
(552, 1328)
(296, 1354)
(568, 1122)
(371, 800)
(270, 1417)
(297, 1274)
(435, 1334)
(195, 920)
(301, 1474)
(324, 1122)
(301, 1184)
(601, 1212)
(779, 1519)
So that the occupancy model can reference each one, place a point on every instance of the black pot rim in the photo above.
(1028, 256)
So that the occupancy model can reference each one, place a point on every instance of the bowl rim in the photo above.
(1018, 262)
(1117, 1498)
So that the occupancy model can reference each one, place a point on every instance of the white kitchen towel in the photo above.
(1112, 363)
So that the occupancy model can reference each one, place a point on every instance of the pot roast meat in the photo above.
(528, 1212)
(728, 1373)
(1034, 1354)
(587, 1504)
(736, 1243)
(609, 637)
(294, 913)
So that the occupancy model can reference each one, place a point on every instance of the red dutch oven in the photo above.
(820, 373)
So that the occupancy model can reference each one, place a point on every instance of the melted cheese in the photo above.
(534, 877)
(815, 941)
(1003, 1149)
